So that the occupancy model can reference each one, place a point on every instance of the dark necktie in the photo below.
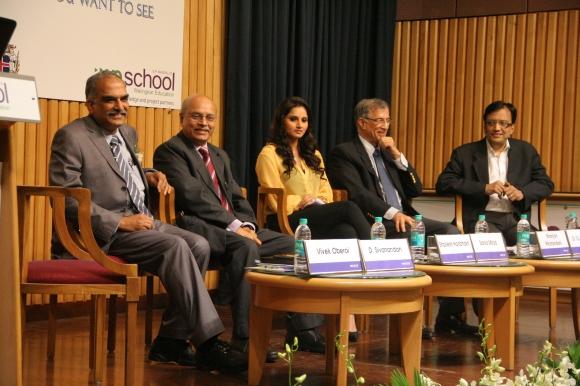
(134, 193)
(389, 191)
(216, 185)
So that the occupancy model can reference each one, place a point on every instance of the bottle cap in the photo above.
(481, 217)
(378, 219)
(524, 216)
(303, 221)
(572, 214)
(418, 217)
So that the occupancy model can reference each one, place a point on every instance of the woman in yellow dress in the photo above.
(291, 160)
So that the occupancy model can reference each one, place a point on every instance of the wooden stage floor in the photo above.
(445, 359)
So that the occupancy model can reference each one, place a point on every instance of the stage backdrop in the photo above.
(63, 42)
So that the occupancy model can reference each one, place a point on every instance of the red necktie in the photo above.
(211, 170)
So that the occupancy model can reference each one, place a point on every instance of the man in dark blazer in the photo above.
(381, 181)
(498, 176)
(354, 166)
(96, 152)
(211, 204)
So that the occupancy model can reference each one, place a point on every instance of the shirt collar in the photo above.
(369, 148)
(492, 151)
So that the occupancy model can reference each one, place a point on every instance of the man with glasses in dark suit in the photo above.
(382, 182)
(498, 176)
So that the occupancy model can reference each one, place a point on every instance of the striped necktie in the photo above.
(389, 191)
(134, 193)
(216, 185)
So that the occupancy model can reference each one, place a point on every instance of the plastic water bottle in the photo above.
(302, 233)
(418, 238)
(378, 231)
(523, 236)
(571, 221)
(481, 225)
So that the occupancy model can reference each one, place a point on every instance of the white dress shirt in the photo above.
(497, 166)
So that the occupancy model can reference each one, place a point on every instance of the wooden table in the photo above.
(496, 286)
(557, 273)
(335, 297)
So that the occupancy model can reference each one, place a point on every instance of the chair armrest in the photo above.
(459, 213)
(166, 208)
(339, 194)
(542, 208)
(57, 196)
(282, 214)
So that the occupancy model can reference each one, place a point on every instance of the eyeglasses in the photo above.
(199, 117)
(377, 121)
(491, 123)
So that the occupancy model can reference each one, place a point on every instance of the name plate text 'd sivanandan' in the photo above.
(381, 255)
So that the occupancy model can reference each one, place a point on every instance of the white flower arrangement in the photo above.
(553, 368)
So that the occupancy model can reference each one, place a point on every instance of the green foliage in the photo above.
(288, 357)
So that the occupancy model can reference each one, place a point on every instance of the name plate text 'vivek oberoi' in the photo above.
(332, 256)
(574, 240)
(380, 255)
(553, 243)
(488, 246)
(455, 249)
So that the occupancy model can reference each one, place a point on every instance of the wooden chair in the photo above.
(91, 273)
(542, 226)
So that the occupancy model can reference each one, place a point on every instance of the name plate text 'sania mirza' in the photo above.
(332, 256)
(574, 240)
(553, 243)
(455, 249)
(380, 255)
(488, 246)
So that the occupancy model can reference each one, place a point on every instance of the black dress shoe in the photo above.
(169, 350)
(427, 333)
(308, 340)
(455, 326)
(241, 345)
(216, 355)
(353, 336)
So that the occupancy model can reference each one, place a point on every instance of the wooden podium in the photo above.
(10, 318)
(19, 103)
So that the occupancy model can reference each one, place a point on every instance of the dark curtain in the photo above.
(330, 52)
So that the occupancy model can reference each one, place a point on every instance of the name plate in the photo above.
(382, 255)
(574, 240)
(18, 99)
(553, 243)
(332, 256)
(488, 246)
(455, 249)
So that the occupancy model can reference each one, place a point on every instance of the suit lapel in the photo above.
(480, 164)
(197, 162)
(220, 168)
(514, 166)
(364, 158)
(97, 136)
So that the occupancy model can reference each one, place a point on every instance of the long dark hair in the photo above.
(279, 137)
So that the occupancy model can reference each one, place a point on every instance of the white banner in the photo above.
(63, 42)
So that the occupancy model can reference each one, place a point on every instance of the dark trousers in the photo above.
(337, 220)
(180, 259)
(241, 252)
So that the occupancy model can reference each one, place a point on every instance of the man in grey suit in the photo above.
(96, 152)
(211, 204)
